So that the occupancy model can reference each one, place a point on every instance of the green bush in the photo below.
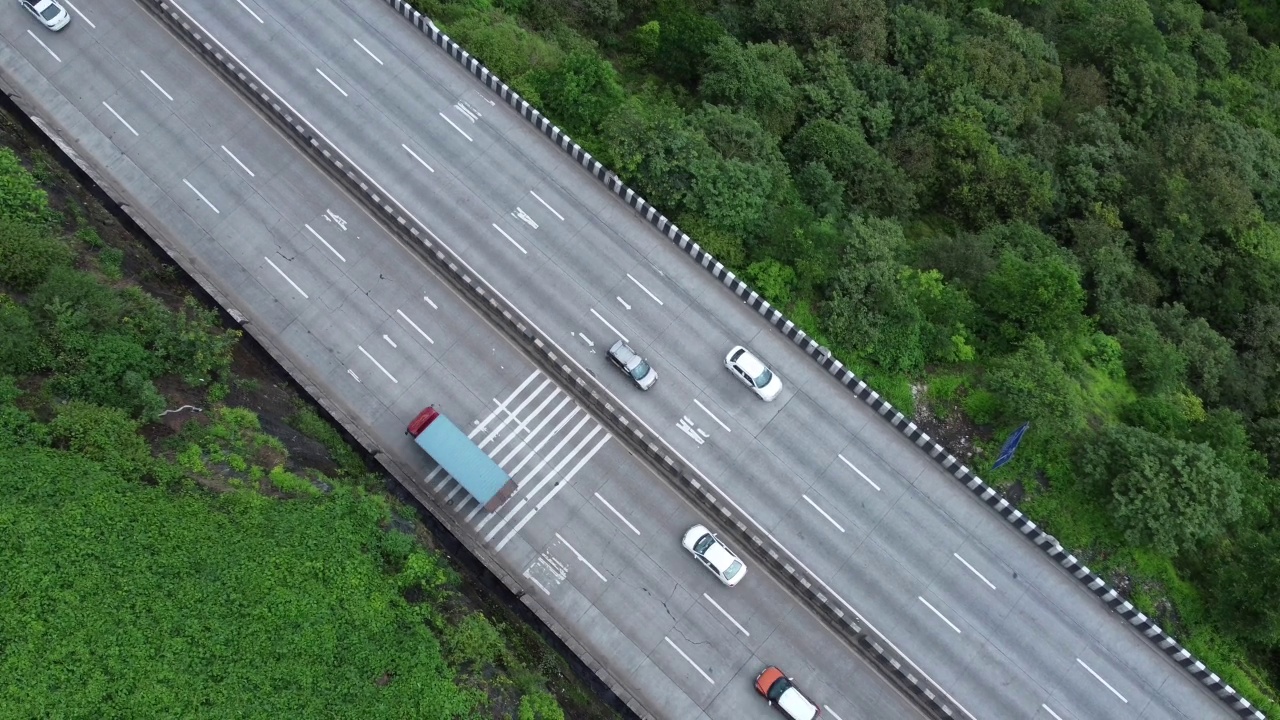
(27, 253)
(21, 198)
(982, 406)
(287, 482)
(102, 434)
(539, 705)
(111, 262)
(474, 642)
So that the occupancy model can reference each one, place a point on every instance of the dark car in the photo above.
(626, 360)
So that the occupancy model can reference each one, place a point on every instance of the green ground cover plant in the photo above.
(1073, 205)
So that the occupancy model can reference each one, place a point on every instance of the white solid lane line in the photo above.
(611, 327)
(713, 417)
(362, 47)
(162, 90)
(824, 513)
(645, 289)
(935, 612)
(415, 157)
(584, 560)
(233, 157)
(688, 660)
(135, 132)
(615, 512)
(200, 195)
(455, 127)
(286, 277)
(726, 614)
(855, 469)
(508, 237)
(975, 572)
(46, 48)
(544, 203)
(832, 713)
(326, 242)
(1099, 679)
(375, 362)
(1050, 711)
(331, 82)
(82, 15)
(251, 12)
(415, 326)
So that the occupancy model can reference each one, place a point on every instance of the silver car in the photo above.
(49, 13)
(634, 366)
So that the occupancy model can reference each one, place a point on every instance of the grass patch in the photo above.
(309, 423)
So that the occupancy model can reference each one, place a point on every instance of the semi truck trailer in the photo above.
(465, 462)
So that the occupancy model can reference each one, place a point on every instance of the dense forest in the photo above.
(1062, 212)
(165, 556)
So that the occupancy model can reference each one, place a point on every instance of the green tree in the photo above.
(761, 78)
(1170, 495)
(1034, 293)
(860, 26)
(979, 184)
(1034, 386)
(579, 93)
(873, 184)
(685, 41)
(869, 311)
(773, 280)
(1243, 583)
(650, 143)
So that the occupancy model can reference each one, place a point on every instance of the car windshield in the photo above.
(778, 687)
(732, 571)
(640, 370)
(51, 11)
(703, 543)
(763, 378)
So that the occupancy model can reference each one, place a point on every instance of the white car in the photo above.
(49, 13)
(781, 692)
(753, 373)
(711, 552)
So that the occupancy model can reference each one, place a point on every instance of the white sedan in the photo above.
(49, 13)
(753, 373)
(711, 552)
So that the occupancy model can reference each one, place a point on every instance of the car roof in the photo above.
(719, 556)
(750, 363)
(797, 705)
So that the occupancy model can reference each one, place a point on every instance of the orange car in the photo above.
(783, 694)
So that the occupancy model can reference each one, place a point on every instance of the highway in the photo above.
(593, 533)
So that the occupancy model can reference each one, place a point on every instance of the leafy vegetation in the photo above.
(183, 564)
(1065, 211)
